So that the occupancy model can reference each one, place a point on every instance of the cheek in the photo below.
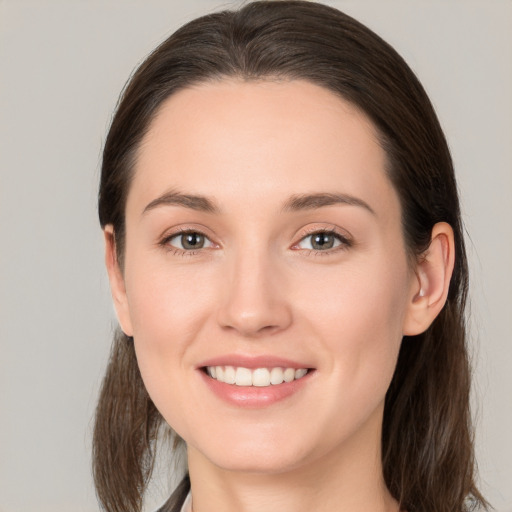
(365, 296)
(163, 299)
(167, 308)
(359, 317)
(360, 327)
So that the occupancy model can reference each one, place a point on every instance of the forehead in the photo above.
(258, 139)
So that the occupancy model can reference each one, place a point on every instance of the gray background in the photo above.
(63, 64)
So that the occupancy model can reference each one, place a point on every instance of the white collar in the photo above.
(187, 504)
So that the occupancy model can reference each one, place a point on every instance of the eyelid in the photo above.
(341, 235)
(345, 239)
(186, 228)
(171, 233)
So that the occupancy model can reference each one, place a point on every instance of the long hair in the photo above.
(427, 443)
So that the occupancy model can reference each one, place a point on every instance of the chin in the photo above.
(253, 462)
(260, 454)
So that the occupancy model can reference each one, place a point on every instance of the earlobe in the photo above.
(116, 279)
(429, 286)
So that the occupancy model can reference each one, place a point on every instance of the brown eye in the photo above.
(322, 241)
(189, 241)
(192, 241)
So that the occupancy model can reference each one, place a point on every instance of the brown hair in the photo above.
(427, 445)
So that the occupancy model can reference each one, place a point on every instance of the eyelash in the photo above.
(344, 242)
(165, 242)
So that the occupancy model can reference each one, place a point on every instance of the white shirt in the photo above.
(187, 504)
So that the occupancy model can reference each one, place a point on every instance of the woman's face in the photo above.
(263, 237)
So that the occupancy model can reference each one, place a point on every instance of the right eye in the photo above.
(189, 241)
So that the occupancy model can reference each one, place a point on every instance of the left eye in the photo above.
(189, 241)
(321, 241)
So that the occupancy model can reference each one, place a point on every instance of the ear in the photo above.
(116, 278)
(429, 287)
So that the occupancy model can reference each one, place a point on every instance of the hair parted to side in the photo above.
(427, 445)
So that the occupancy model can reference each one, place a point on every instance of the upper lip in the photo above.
(253, 362)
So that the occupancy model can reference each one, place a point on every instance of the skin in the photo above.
(258, 288)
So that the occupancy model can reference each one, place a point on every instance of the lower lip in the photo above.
(254, 396)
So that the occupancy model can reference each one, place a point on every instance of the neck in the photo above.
(347, 479)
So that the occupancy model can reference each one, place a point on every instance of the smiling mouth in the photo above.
(257, 377)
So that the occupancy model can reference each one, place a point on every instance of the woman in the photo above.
(285, 252)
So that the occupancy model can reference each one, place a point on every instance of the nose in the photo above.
(255, 301)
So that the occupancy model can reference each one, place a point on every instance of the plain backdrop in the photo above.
(63, 64)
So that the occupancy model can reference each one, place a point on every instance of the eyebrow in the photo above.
(296, 202)
(175, 198)
(313, 201)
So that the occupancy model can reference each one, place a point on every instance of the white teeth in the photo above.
(229, 375)
(276, 376)
(289, 374)
(300, 373)
(243, 377)
(259, 377)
